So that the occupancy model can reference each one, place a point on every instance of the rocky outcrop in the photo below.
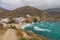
(18, 34)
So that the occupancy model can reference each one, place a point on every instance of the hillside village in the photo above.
(29, 10)
(19, 22)
(12, 23)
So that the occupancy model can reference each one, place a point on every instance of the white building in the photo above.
(19, 20)
(5, 20)
(5, 25)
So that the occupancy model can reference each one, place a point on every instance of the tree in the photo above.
(13, 27)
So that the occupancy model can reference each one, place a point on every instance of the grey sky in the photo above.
(41, 4)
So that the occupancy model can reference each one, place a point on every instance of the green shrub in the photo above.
(13, 27)
(34, 20)
(23, 39)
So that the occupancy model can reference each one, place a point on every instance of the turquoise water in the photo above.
(50, 30)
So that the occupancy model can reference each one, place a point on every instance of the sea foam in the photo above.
(26, 25)
(41, 29)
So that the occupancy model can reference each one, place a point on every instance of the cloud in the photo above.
(42, 4)
(10, 4)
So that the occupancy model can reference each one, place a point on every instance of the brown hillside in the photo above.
(29, 10)
(22, 11)
(3, 12)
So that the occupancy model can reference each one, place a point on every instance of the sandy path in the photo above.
(10, 35)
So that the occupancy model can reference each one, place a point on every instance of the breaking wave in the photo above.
(36, 28)
(41, 29)
(26, 25)
(47, 29)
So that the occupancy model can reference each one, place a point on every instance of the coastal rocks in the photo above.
(10, 34)
(30, 19)
(19, 34)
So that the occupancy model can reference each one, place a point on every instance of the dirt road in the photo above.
(10, 35)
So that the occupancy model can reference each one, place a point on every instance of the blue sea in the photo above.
(50, 30)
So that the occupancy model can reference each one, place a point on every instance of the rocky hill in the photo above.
(29, 10)
(15, 34)
(53, 10)
(26, 10)
(3, 12)
(22, 11)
